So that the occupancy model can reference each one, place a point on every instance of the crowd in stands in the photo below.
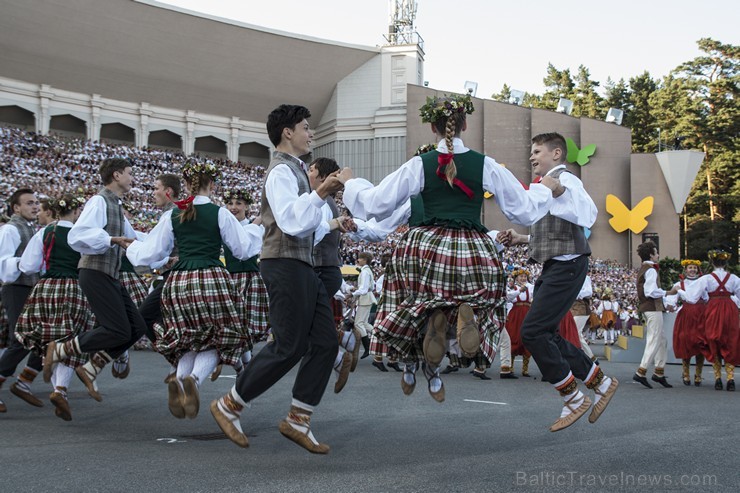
(53, 164)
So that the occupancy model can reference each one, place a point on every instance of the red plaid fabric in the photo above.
(435, 267)
(253, 291)
(135, 286)
(56, 310)
(202, 310)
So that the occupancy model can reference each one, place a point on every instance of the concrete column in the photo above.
(43, 118)
(93, 128)
(142, 133)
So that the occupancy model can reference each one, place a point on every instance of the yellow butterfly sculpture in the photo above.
(622, 218)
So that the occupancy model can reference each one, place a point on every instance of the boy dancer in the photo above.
(301, 319)
(100, 235)
(558, 242)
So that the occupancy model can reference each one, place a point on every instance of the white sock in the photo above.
(577, 401)
(605, 382)
(338, 360)
(246, 357)
(409, 371)
(63, 375)
(435, 381)
(205, 363)
(185, 365)
(349, 340)
(303, 429)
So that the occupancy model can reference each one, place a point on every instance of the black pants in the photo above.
(554, 292)
(151, 308)
(303, 327)
(14, 298)
(331, 276)
(119, 323)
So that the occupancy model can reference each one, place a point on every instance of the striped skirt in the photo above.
(253, 291)
(201, 310)
(440, 268)
(56, 310)
(135, 285)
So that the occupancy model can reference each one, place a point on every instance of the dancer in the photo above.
(246, 274)
(688, 330)
(301, 319)
(423, 283)
(650, 297)
(17, 286)
(559, 243)
(364, 299)
(57, 309)
(101, 234)
(721, 321)
(200, 305)
(521, 298)
(607, 309)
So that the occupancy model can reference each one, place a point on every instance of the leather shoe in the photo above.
(380, 366)
(449, 369)
(228, 427)
(481, 375)
(174, 400)
(661, 380)
(408, 388)
(468, 335)
(435, 338)
(344, 371)
(26, 396)
(731, 385)
(395, 366)
(603, 401)
(575, 414)
(687, 382)
(718, 384)
(3, 407)
(88, 382)
(216, 373)
(61, 406)
(509, 375)
(190, 397)
(642, 380)
(302, 439)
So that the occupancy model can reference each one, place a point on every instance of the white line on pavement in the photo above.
(487, 402)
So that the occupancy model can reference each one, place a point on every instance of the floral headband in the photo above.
(518, 272)
(688, 261)
(192, 168)
(719, 254)
(425, 148)
(437, 108)
(69, 204)
(238, 194)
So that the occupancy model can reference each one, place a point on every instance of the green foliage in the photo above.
(670, 269)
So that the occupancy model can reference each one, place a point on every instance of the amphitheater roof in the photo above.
(146, 51)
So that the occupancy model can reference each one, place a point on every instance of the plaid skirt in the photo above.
(201, 310)
(253, 291)
(4, 327)
(439, 268)
(56, 310)
(135, 286)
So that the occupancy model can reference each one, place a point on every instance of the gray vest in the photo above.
(26, 231)
(275, 243)
(108, 262)
(326, 253)
(551, 236)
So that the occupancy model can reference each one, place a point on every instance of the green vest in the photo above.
(417, 211)
(126, 265)
(198, 241)
(62, 261)
(234, 265)
(449, 206)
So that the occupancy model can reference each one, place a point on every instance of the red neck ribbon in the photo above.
(182, 204)
(444, 160)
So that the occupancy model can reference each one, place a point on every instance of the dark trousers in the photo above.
(119, 324)
(331, 276)
(14, 298)
(151, 308)
(303, 327)
(554, 292)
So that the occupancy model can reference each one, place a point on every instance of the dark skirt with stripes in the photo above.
(440, 268)
(202, 310)
(56, 310)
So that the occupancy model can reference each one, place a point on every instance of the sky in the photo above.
(492, 42)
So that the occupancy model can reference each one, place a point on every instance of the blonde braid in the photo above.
(189, 214)
(451, 170)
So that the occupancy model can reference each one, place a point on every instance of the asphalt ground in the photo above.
(487, 436)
